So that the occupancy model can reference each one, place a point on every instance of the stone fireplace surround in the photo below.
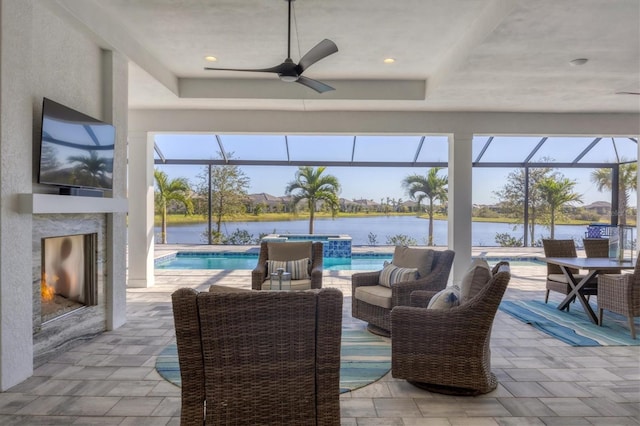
(61, 333)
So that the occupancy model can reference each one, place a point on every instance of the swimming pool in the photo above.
(228, 261)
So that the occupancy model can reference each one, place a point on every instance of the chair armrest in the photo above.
(431, 330)
(401, 292)
(421, 298)
(365, 278)
(258, 275)
(615, 286)
(316, 276)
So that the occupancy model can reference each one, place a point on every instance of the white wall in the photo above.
(42, 56)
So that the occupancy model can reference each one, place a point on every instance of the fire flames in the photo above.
(47, 291)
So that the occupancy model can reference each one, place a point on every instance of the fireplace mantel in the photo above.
(53, 203)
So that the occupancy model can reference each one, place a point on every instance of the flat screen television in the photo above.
(76, 151)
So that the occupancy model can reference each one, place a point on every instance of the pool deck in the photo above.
(111, 379)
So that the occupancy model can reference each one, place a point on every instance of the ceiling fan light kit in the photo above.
(290, 72)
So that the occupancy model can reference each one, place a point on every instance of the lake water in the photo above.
(483, 233)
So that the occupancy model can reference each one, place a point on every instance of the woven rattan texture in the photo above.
(259, 357)
(401, 292)
(447, 350)
(259, 273)
(620, 294)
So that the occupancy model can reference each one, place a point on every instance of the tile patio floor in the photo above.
(111, 379)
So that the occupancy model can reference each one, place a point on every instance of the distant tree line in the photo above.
(221, 192)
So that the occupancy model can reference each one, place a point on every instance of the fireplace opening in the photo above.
(69, 274)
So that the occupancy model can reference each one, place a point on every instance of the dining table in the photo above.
(593, 266)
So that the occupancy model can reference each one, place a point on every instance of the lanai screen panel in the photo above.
(612, 150)
(561, 149)
(320, 148)
(504, 149)
(255, 147)
(188, 146)
(434, 149)
(389, 149)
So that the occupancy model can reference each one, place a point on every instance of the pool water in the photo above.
(216, 261)
(227, 261)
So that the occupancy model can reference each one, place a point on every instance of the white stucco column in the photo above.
(460, 202)
(141, 231)
(115, 109)
(16, 134)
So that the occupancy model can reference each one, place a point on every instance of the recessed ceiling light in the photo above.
(210, 58)
(388, 60)
(578, 62)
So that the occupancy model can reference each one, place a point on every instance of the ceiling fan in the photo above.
(289, 71)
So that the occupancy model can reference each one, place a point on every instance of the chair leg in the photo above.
(632, 327)
(600, 312)
(546, 297)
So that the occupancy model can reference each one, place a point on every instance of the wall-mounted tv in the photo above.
(76, 151)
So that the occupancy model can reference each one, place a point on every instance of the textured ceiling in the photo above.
(451, 55)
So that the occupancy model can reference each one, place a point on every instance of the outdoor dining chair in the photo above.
(556, 281)
(620, 293)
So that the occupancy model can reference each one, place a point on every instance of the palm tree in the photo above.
(93, 166)
(177, 189)
(431, 187)
(312, 186)
(557, 192)
(628, 182)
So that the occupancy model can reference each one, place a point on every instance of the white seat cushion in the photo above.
(560, 278)
(377, 295)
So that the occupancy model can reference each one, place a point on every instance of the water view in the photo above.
(359, 228)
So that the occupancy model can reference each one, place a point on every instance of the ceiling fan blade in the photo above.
(627, 93)
(321, 50)
(277, 69)
(316, 85)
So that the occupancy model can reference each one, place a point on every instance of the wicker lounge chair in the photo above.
(378, 313)
(556, 281)
(257, 357)
(287, 251)
(620, 294)
(448, 350)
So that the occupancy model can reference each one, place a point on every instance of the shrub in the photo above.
(239, 237)
(401, 240)
(507, 240)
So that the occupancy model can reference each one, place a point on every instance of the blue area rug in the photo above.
(573, 327)
(364, 359)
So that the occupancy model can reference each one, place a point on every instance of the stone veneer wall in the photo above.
(60, 334)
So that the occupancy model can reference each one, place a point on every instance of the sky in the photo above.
(375, 183)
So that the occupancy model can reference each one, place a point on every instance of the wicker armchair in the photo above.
(379, 317)
(556, 281)
(598, 247)
(258, 357)
(448, 350)
(270, 250)
(620, 294)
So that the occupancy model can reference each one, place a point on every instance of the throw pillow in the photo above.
(299, 269)
(392, 274)
(445, 299)
(478, 274)
(406, 257)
